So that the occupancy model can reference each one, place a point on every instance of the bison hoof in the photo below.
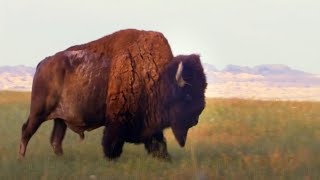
(112, 151)
(161, 156)
(20, 157)
(112, 159)
(57, 150)
(166, 158)
(112, 156)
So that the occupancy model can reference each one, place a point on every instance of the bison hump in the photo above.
(135, 70)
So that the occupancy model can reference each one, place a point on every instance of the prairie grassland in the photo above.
(235, 139)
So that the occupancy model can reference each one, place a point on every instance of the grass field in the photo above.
(235, 139)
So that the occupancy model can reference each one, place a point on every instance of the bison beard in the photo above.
(128, 82)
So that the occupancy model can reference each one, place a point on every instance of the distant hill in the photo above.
(209, 67)
(263, 82)
(18, 70)
(274, 75)
(258, 82)
(266, 70)
(16, 78)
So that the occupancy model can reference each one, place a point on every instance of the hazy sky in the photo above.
(223, 32)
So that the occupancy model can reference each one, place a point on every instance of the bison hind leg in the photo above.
(28, 130)
(157, 146)
(58, 133)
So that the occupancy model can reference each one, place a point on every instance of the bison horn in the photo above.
(179, 78)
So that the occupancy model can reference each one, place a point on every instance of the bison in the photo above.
(129, 82)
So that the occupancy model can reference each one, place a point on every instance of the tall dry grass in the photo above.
(235, 139)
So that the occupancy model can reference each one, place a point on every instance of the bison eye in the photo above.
(188, 98)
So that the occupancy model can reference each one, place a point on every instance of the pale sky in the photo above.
(240, 32)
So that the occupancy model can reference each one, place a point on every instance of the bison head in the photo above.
(186, 100)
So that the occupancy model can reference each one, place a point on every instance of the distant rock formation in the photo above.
(17, 78)
(259, 82)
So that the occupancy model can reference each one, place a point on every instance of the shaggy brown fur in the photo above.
(124, 81)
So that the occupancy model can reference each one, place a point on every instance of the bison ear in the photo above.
(180, 81)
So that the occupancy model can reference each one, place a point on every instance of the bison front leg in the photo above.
(157, 146)
(112, 141)
(58, 132)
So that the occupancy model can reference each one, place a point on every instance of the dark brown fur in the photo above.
(124, 81)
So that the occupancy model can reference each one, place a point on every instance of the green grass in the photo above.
(235, 139)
